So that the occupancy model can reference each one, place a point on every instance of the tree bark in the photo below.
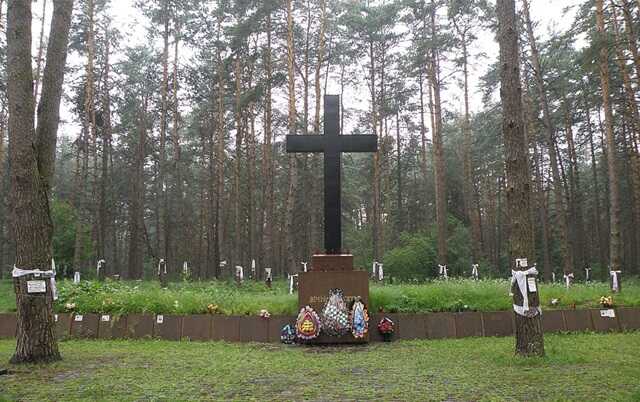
(30, 179)
(40, 49)
(438, 147)
(529, 337)
(267, 212)
(615, 241)
(292, 159)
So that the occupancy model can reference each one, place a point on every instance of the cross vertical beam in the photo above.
(332, 144)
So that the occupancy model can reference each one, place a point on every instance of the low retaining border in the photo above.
(258, 329)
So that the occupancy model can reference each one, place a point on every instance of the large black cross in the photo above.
(332, 144)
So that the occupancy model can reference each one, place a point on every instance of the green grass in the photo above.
(586, 367)
(194, 297)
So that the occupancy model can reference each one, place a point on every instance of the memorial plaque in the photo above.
(605, 320)
(36, 287)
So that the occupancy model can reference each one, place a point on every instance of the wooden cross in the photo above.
(332, 144)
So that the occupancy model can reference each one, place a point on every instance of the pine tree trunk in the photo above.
(136, 201)
(31, 175)
(597, 243)
(40, 50)
(237, 210)
(540, 191)
(267, 212)
(615, 242)
(529, 337)
(470, 199)
(163, 216)
(218, 216)
(632, 37)
(438, 148)
(293, 165)
(558, 190)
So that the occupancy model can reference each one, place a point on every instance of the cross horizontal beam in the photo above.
(343, 143)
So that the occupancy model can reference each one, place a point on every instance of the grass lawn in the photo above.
(585, 367)
(194, 297)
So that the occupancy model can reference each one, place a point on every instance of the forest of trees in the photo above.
(180, 148)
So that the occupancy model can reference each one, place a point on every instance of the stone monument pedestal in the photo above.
(331, 271)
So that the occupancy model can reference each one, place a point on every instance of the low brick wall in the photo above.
(257, 329)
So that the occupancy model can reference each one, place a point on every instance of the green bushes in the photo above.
(416, 258)
(194, 297)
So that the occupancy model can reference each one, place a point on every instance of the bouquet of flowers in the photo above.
(386, 328)
(606, 301)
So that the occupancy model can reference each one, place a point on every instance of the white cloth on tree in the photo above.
(304, 266)
(50, 274)
(442, 270)
(380, 272)
(567, 279)
(520, 277)
(587, 276)
(267, 271)
(99, 267)
(291, 282)
(615, 285)
(239, 273)
(161, 263)
(474, 271)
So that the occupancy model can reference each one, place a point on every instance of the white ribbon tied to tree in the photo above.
(474, 271)
(160, 264)
(587, 271)
(520, 277)
(239, 273)
(615, 285)
(442, 270)
(567, 279)
(380, 272)
(50, 274)
(267, 271)
(304, 266)
(99, 267)
(291, 279)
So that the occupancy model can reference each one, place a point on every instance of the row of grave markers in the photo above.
(377, 273)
